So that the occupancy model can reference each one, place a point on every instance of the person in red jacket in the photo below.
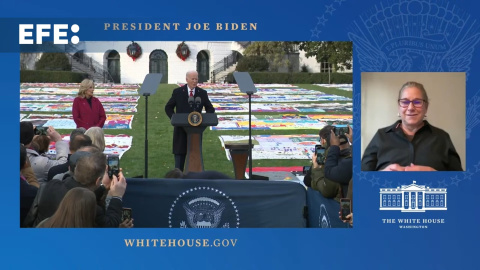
(87, 110)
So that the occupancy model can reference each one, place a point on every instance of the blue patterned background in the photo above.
(389, 36)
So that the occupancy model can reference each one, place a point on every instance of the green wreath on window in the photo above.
(134, 50)
(183, 52)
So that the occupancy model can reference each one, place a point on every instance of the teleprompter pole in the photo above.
(148, 88)
(249, 135)
(146, 95)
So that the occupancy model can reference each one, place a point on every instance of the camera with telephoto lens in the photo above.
(40, 130)
(320, 151)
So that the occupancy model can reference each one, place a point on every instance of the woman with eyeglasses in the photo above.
(87, 110)
(411, 143)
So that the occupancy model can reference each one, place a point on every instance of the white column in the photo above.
(381, 197)
(445, 201)
(416, 199)
(410, 200)
(403, 200)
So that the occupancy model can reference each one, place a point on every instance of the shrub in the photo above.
(252, 63)
(296, 78)
(53, 61)
(51, 76)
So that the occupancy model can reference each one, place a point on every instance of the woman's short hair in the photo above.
(417, 85)
(76, 210)
(98, 137)
(84, 86)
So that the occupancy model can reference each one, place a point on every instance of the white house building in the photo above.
(413, 198)
(159, 57)
(109, 60)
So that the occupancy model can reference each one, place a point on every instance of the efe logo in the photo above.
(60, 33)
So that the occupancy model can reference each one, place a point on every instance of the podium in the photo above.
(239, 153)
(194, 157)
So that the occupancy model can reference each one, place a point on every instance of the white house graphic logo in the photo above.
(203, 212)
(203, 207)
(413, 198)
(323, 219)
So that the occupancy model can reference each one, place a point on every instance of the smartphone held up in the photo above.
(320, 152)
(126, 214)
(113, 163)
(345, 208)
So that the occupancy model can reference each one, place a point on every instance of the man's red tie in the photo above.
(191, 93)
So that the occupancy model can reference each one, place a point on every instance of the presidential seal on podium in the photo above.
(195, 118)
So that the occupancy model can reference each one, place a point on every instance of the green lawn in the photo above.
(160, 133)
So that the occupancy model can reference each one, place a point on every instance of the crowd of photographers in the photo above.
(81, 164)
(332, 168)
(58, 192)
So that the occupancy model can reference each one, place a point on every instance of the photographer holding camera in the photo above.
(89, 167)
(332, 172)
(41, 164)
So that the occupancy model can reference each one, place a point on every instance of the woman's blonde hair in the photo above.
(84, 86)
(98, 137)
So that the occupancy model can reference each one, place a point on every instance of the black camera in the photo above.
(320, 151)
(340, 131)
(40, 130)
(306, 169)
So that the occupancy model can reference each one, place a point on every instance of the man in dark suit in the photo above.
(179, 102)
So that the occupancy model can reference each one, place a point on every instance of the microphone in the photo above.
(198, 101)
(190, 102)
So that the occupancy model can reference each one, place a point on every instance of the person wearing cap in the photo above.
(178, 103)
(41, 164)
(332, 178)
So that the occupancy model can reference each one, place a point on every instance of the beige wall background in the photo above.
(446, 93)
